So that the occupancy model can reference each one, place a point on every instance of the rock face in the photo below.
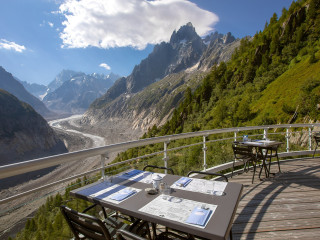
(219, 48)
(74, 92)
(10, 84)
(183, 51)
(156, 86)
(62, 77)
(24, 135)
(23, 132)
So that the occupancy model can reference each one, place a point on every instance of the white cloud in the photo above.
(135, 23)
(5, 44)
(106, 66)
(50, 24)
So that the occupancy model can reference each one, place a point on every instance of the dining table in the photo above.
(264, 148)
(199, 207)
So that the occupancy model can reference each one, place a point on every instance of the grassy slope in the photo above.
(286, 89)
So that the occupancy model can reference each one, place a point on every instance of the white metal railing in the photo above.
(32, 165)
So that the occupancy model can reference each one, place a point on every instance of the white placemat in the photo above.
(175, 209)
(144, 177)
(105, 191)
(203, 186)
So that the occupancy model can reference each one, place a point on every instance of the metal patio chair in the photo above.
(158, 167)
(85, 226)
(317, 141)
(209, 174)
(245, 154)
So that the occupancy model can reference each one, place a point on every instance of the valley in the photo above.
(76, 137)
(69, 126)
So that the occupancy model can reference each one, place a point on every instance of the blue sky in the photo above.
(39, 38)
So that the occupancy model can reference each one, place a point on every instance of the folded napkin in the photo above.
(123, 194)
(199, 216)
(182, 182)
(133, 172)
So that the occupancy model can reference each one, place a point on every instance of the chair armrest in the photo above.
(154, 166)
(208, 173)
(89, 208)
(129, 235)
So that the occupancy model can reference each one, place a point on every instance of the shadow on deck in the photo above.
(285, 206)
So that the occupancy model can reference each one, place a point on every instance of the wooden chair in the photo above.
(154, 166)
(245, 154)
(85, 226)
(317, 141)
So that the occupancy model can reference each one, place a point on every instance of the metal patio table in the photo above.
(218, 226)
(263, 147)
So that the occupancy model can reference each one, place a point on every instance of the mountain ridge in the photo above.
(24, 135)
(74, 91)
(13, 86)
(121, 100)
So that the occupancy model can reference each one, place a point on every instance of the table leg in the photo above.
(264, 165)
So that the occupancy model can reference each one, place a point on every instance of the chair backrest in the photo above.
(317, 137)
(209, 174)
(84, 224)
(154, 166)
(126, 235)
(242, 151)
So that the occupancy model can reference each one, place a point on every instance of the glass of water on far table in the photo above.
(215, 191)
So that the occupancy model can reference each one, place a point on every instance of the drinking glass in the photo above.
(108, 180)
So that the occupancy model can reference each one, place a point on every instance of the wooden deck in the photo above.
(286, 206)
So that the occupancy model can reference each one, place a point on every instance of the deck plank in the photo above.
(285, 206)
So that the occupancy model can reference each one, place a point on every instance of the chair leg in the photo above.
(314, 152)
(254, 171)
(261, 168)
(278, 162)
(233, 167)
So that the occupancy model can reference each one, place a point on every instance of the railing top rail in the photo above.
(36, 164)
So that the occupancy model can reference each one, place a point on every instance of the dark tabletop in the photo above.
(218, 226)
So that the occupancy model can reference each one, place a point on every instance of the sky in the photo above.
(40, 38)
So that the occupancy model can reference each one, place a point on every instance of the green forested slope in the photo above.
(266, 80)
(287, 93)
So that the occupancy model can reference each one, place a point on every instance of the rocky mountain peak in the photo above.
(228, 38)
(186, 33)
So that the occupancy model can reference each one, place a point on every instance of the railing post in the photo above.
(204, 153)
(103, 158)
(235, 136)
(287, 137)
(310, 138)
(165, 155)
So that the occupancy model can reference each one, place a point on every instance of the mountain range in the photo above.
(73, 92)
(37, 90)
(155, 87)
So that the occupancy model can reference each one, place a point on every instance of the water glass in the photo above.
(108, 180)
(212, 190)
